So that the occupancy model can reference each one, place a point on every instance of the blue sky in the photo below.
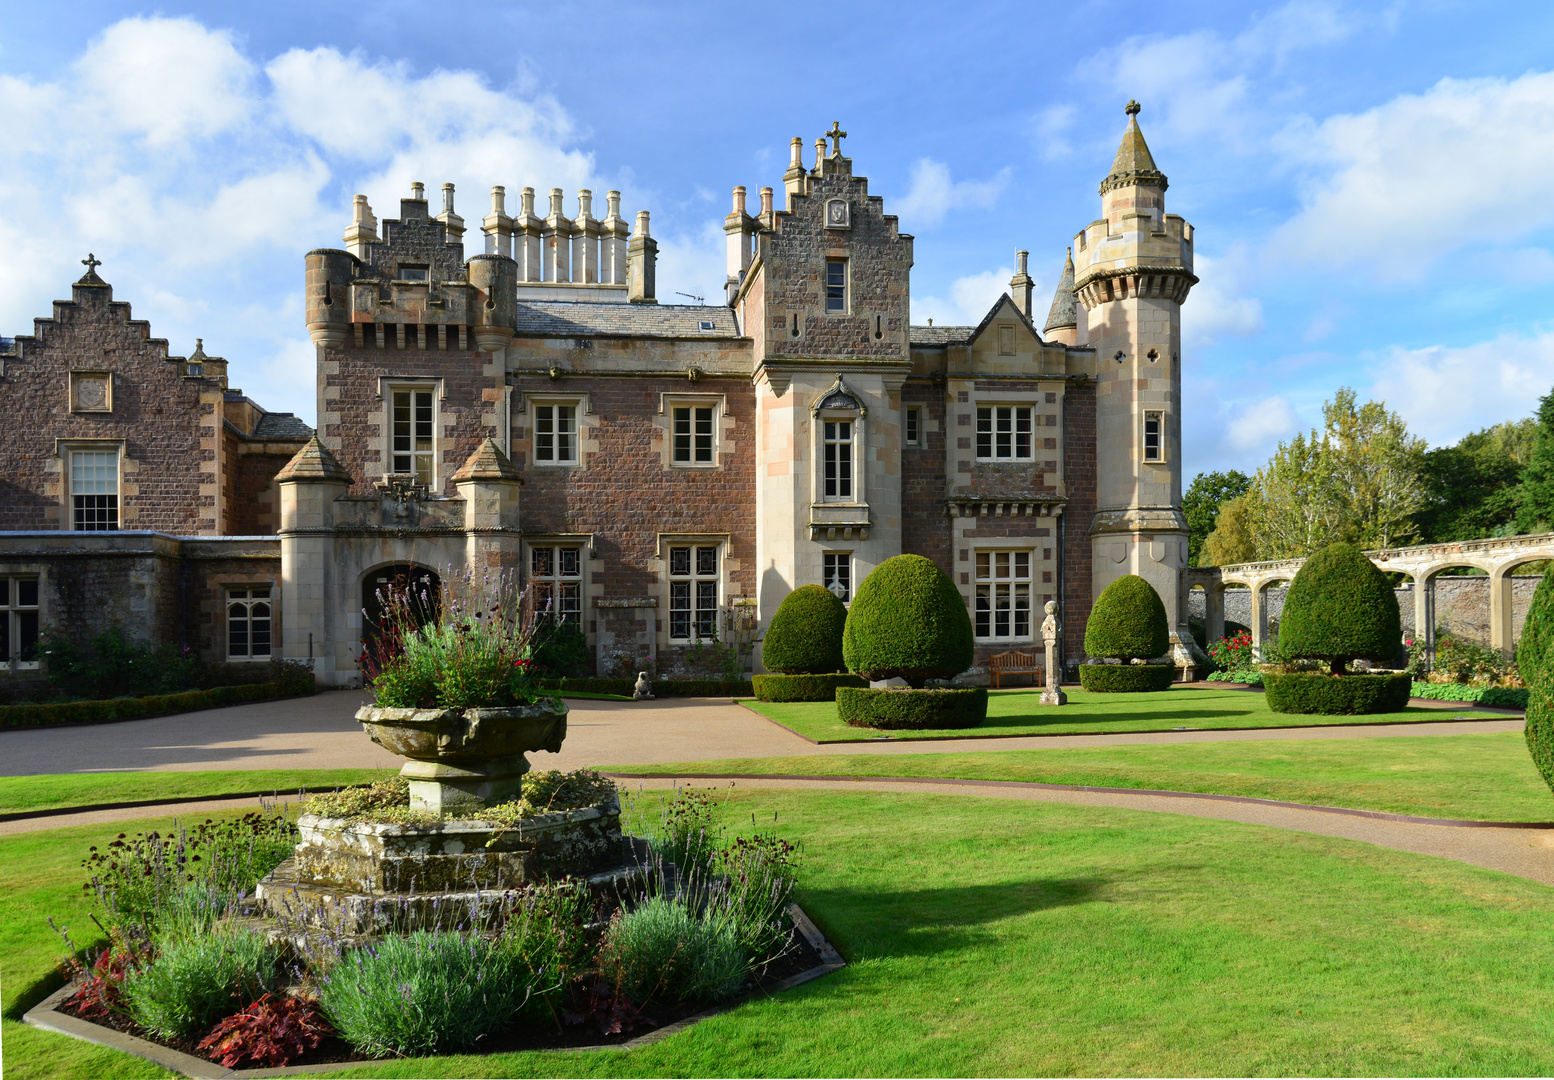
(1369, 182)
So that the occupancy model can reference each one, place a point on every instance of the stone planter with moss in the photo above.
(908, 621)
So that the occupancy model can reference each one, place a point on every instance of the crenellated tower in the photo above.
(1133, 268)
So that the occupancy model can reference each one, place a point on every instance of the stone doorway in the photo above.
(380, 587)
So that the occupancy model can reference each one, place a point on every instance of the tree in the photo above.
(1201, 505)
(1340, 608)
(1535, 499)
(1233, 539)
(1471, 489)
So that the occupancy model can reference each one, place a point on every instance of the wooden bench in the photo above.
(1016, 663)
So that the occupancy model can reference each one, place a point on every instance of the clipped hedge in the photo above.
(1128, 621)
(1126, 678)
(1340, 607)
(803, 687)
(99, 712)
(661, 687)
(1318, 692)
(915, 710)
(805, 637)
(907, 620)
(1504, 697)
(1535, 661)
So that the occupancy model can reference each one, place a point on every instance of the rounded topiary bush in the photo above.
(803, 687)
(805, 637)
(907, 620)
(1128, 621)
(1126, 678)
(1337, 695)
(1535, 662)
(1340, 608)
(911, 709)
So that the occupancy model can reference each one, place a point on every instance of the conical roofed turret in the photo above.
(1134, 163)
(1063, 312)
(487, 463)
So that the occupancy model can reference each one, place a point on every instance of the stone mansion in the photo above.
(648, 466)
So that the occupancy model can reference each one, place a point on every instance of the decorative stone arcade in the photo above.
(333, 544)
(1499, 558)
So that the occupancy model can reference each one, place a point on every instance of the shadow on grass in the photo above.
(923, 922)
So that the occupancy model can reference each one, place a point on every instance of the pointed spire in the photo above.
(487, 463)
(1063, 313)
(314, 462)
(1134, 163)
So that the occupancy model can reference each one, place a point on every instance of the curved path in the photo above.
(319, 732)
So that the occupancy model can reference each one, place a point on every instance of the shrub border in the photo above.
(804, 687)
(661, 687)
(73, 713)
(917, 710)
(1362, 695)
(1126, 678)
(1494, 697)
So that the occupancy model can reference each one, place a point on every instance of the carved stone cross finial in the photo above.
(836, 135)
(1132, 108)
(91, 262)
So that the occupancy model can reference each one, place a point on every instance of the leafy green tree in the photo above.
(1535, 499)
(1207, 493)
(1471, 489)
(1234, 537)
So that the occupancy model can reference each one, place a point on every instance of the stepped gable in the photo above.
(92, 300)
(417, 238)
(1064, 312)
(314, 462)
(487, 463)
(571, 318)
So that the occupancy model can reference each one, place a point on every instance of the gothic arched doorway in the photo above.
(413, 590)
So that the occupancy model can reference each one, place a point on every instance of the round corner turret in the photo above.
(495, 278)
(328, 295)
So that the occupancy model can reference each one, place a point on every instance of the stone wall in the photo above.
(925, 528)
(1073, 527)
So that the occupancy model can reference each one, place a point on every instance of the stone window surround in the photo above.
(77, 377)
(222, 590)
(586, 443)
(584, 542)
(1033, 601)
(909, 437)
(384, 418)
(1164, 445)
(722, 424)
(1037, 399)
(850, 556)
(28, 570)
(860, 456)
(845, 258)
(1013, 402)
(724, 543)
(63, 448)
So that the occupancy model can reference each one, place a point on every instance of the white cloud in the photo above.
(1051, 125)
(1399, 186)
(1444, 393)
(933, 194)
(1256, 429)
(970, 299)
(1214, 308)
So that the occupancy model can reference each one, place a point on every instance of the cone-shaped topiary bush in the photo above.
(907, 619)
(1128, 621)
(805, 637)
(1340, 608)
(1535, 661)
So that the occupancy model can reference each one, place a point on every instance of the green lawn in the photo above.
(19, 794)
(1018, 712)
(1476, 777)
(995, 937)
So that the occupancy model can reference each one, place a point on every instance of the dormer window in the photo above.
(413, 272)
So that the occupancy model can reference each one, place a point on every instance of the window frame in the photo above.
(992, 433)
(558, 582)
(429, 476)
(693, 434)
(843, 295)
(13, 619)
(989, 586)
(702, 620)
(550, 404)
(1157, 416)
(823, 422)
(67, 451)
(231, 599)
(830, 563)
(912, 425)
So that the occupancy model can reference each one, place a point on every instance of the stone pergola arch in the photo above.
(1496, 557)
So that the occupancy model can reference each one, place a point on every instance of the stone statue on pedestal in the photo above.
(643, 691)
(1051, 628)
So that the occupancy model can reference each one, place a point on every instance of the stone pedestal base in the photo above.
(442, 787)
(1054, 697)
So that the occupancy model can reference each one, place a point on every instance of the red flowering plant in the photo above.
(463, 641)
(272, 1032)
(1235, 657)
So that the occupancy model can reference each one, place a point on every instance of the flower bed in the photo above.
(704, 922)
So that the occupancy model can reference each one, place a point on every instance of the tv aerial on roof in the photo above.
(702, 300)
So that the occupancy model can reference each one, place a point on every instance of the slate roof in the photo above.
(930, 336)
(1134, 162)
(281, 425)
(573, 318)
(1063, 312)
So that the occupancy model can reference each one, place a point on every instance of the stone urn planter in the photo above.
(461, 759)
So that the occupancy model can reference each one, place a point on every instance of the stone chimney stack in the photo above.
(527, 230)
(363, 231)
(556, 242)
(739, 227)
(417, 191)
(820, 157)
(641, 285)
(498, 227)
(793, 179)
(613, 236)
(452, 223)
(585, 241)
(768, 219)
(1021, 284)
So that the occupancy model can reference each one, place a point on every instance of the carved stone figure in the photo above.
(1051, 628)
(644, 689)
